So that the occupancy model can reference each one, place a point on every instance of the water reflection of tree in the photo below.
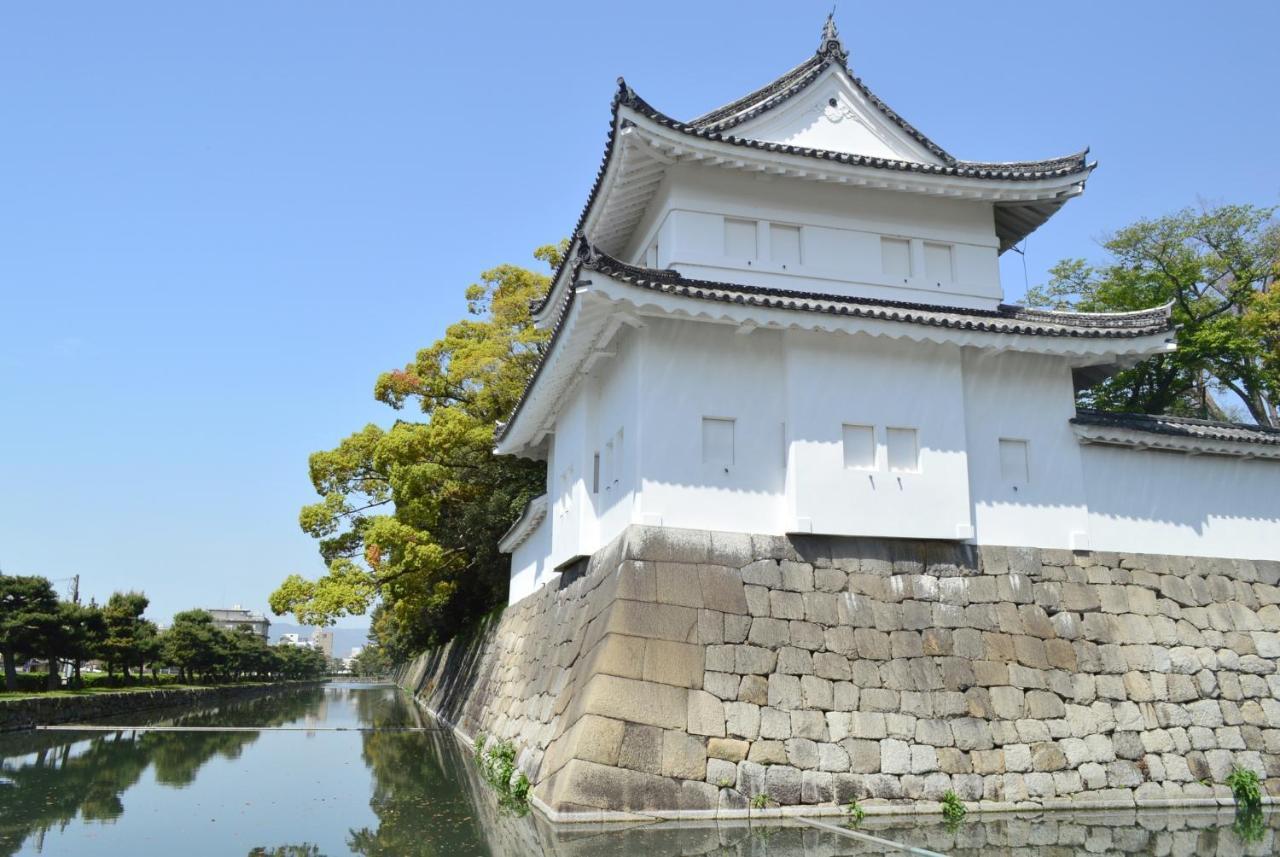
(65, 780)
(422, 796)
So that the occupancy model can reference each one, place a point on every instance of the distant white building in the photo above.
(237, 617)
(786, 316)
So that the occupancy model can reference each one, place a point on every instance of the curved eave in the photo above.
(1023, 196)
(607, 295)
(1090, 433)
(535, 511)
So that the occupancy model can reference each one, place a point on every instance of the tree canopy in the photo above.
(410, 516)
(1219, 268)
(36, 624)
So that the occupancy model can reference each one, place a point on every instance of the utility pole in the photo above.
(75, 590)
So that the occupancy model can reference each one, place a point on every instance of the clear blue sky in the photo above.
(219, 224)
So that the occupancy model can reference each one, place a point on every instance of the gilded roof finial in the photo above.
(831, 44)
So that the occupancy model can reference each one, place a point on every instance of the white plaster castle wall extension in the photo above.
(785, 316)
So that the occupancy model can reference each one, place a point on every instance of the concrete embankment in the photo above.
(31, 711)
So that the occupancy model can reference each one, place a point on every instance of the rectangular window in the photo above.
(895, 256)
(595, 474)
(740, 239)
(1013, 461)
(937, 263)
(607, 471)
(860, 447)
(784, 244)
(615, 468)
(904, 449)
(717, 441)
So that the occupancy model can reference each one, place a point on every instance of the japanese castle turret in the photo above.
(784, 318)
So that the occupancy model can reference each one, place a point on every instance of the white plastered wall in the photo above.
(835, 380)
(789, 395)
(1172, 503)
(691, 371)
(840, 237)
(1024, 398)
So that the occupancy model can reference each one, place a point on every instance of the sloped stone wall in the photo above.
(693, 671)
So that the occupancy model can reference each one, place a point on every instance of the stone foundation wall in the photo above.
(692, 671)
(30, 711)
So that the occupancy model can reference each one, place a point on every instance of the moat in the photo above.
(352, 768)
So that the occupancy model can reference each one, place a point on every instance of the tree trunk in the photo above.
(75, 676)
(10, 670)
(53, 683)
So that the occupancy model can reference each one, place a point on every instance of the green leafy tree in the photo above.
(300, 662)
(1218, 268)
(371, 662)
(84, 628)
(28, 624)
(130, 639)
(411, 515)
(193, 644)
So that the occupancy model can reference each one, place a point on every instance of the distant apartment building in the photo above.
(322, 640)
(235, 618)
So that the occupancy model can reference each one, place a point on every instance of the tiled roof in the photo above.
(1184, 427)
(1013, 221)
(990, 170)
(1006, 318)
(832, 52)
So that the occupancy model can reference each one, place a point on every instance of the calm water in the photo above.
(294, 787)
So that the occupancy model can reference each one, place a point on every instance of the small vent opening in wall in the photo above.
(717, 441)
(1014, 464)
(904, 450)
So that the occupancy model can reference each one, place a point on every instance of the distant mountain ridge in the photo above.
(344, 639)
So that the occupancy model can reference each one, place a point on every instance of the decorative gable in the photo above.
(835, 113)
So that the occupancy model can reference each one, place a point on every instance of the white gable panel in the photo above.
(833, 114)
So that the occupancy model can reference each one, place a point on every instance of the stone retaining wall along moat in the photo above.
(30, 711)
(686, 671)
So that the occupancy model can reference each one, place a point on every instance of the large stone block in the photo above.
(639, 701)
(722, 589)
(705, 714)
(677, 664)
(895, 756)
(683, 756)
(763, 572)
(728, 749)
(742, 719)
(783, 784)
(653, 621)
(769, 632)
(587, 784)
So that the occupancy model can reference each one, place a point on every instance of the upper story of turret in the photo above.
(813, 184)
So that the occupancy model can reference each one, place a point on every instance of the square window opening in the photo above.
(717, 441)
(859, 447)
(904, 450)
(938, 264)
(740, 239)
(784, 244)
(895, 257)
(1014, 461)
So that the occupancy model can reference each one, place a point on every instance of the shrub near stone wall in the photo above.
(695, 671)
